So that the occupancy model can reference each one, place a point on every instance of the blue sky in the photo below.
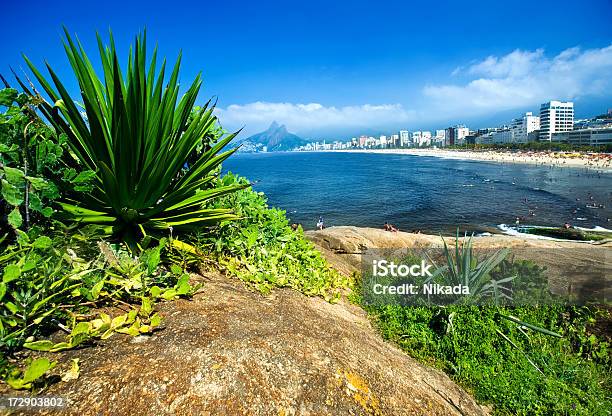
(338, 68)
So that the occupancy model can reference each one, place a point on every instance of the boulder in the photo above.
(232, 351)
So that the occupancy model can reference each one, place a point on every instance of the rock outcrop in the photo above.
(231, 351)
(580, 268)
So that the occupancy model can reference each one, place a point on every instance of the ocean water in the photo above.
(424, 193)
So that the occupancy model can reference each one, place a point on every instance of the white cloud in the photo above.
(313, 117)
(515, 64)
(523, 78)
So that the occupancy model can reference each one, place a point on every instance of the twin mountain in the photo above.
(275, 138)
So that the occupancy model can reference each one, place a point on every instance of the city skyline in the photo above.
(558, 125)
(341, 68)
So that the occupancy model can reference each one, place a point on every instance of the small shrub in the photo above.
(33, 168)
(261, 248)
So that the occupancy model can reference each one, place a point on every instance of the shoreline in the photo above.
(385, 239)
(602, 162)
(499, 231)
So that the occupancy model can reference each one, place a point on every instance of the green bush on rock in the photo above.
(88, 200)
(141, 141)
(261, 247)
(34, 171)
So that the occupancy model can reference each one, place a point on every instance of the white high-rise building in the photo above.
(383, 140)
(404, 137)
(395, 140)
(556, 117)
(424, 138)
(462, 132)
(521, 127)
(438, 140)
(421, 138)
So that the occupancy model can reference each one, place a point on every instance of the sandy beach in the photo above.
(593, 161)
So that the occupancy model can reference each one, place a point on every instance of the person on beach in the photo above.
(389, 227)
(320, 225)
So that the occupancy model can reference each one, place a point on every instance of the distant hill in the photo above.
(275, 138)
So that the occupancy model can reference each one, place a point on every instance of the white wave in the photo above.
(596, 228)
(510, 230)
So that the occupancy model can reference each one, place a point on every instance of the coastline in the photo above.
(348, 239)
(601, 163)
(487, 193)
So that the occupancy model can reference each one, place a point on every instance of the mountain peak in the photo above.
(277, 127)
(276, 137)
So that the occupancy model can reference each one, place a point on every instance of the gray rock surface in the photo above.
(230, 351)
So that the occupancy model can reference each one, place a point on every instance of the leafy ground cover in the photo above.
(262, 248)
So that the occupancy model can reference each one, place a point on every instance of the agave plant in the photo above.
(464, 268)
(137, 135)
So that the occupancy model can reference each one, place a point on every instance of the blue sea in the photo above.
(424, 193)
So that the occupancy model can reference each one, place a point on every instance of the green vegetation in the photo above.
(60, 284)
(137, 137)
(33, 170)
(261, 248)
(105, 210)
(464, 269)
(464, 341)
(549, 359)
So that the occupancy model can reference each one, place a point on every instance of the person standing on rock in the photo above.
(320, 224)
